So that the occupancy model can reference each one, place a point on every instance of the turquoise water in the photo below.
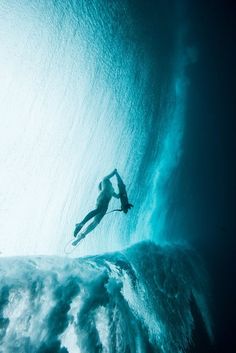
(88, 86)
(85, 88)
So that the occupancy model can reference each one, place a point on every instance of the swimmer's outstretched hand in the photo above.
(116, 172)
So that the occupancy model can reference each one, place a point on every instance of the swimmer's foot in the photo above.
(78, 227)
(80, 237)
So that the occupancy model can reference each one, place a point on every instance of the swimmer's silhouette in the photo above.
(104, 197)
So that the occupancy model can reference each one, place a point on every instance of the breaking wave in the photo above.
(138, 300)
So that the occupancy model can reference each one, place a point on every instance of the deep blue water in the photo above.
(207, 171)
(207, 166)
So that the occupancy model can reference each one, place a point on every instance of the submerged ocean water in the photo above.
(88, 86)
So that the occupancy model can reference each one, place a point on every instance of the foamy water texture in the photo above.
(138, 300)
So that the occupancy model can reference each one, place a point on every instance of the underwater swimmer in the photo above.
(103, 200)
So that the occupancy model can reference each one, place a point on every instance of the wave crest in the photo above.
(138, 300)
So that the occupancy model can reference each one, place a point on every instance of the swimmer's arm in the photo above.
(109, 176)
(117, 196)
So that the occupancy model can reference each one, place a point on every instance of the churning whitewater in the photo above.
(138, 301)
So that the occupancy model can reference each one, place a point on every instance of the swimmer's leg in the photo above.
(90, 215)
(90, 227)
